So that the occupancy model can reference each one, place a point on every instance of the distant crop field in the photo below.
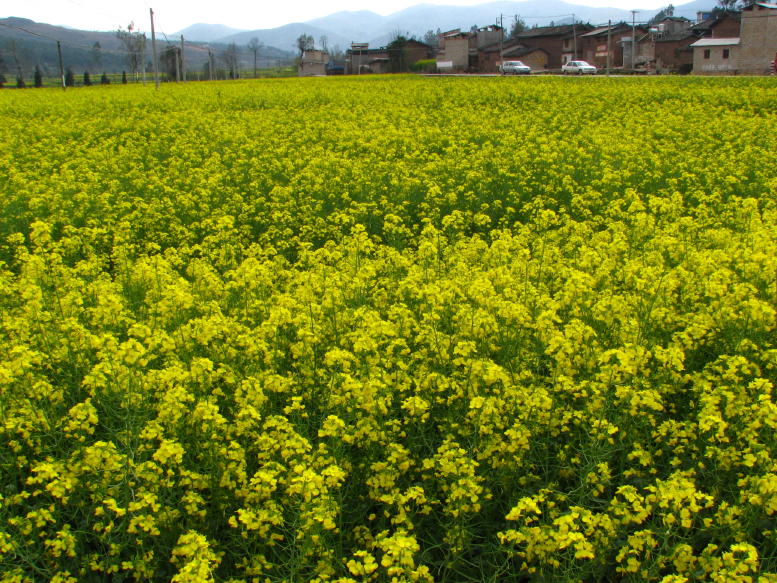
(389, 329)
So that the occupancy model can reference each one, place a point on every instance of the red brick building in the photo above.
(490, 57)
(672, 39)
(561, 43)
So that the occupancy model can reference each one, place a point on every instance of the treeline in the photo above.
(27, 61)
(22, 57)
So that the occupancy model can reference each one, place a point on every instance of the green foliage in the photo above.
(424, 66)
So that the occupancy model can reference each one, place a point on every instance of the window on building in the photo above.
(706, 53)
(725, 53)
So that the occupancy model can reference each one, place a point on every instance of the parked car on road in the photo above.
(514, 68)
(578, 68)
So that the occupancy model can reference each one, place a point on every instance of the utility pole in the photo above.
(501, 42)
(142, 62)
(574, 38)
(633, 38)
(210, 65)
(183, 63)
(177, 64)
(61, 66)
(153, 49)
(609, 35)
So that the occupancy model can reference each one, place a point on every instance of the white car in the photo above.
(578, 68)
(514, 68)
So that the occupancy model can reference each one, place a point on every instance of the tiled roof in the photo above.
(546, 31)
(598, 31)
(716, 42)
(520, 51)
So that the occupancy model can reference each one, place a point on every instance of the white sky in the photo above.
(174, 15)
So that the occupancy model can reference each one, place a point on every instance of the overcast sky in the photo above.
(174, 15)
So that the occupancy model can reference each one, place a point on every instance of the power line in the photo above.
(28, 31)
(75, 45)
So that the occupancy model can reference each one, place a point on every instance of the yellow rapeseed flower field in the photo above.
(390, 329)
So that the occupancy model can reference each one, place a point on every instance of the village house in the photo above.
(715, 56)
(453, 51)
(749, 50)
(490, 57)
(607, 45)
(534, 57)
(758, 39)
(672, 39)
(717, 34)
(414, 51)
(722, 25)
(360, 58)
(312, 63)
(461, 51)
(560, 42)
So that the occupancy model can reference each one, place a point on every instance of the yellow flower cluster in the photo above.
(390, 330)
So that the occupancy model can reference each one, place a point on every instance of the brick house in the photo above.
(490, 57)
(594, 47)
(559, 42)
(758, 38)
(749, 50)
(715, 56)
(672, 39)
(534, 57)
(313, 63)
(417, 51)
(453, 51)
(360, 57)
(723, 25)
(461, 51)
(674, 55)
(615, 41)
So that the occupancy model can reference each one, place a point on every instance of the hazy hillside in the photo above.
(353, 25)
(25, 44)
(285, 37)
(202, 32)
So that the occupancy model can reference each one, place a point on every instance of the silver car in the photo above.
(514, 68)
(578, 68)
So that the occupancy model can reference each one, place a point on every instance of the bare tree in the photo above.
(96, 57)
(305, 42)
(432, 39)
(134, 44)
(168, 61)
(337, 53)
(517, 27)
(3, 71)
(19, 73)
(230, 58)
(255, 45)
(727, 5)
(397, 51)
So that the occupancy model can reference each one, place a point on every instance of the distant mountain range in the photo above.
(343, 28)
